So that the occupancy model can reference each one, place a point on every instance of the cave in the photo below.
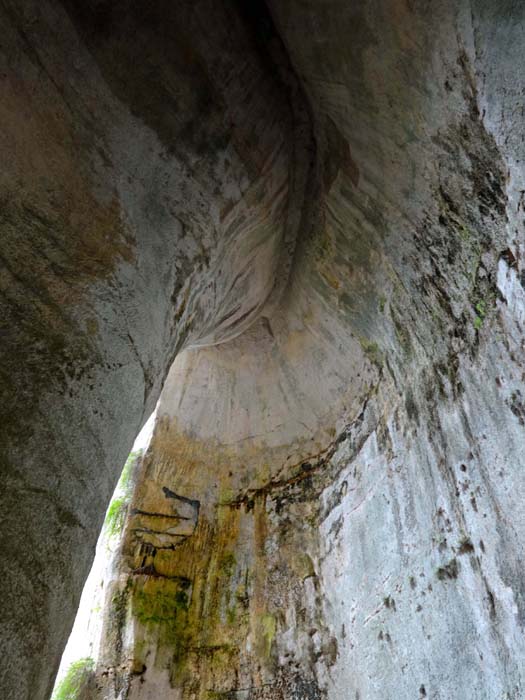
(288, 233)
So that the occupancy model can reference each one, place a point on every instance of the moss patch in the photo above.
(372, 351)
(76, 680)
(269, 627)
(115, 517)
(161, 606)
(118, 508)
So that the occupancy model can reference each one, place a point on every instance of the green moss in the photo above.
(269, 627)
(116, 513)
(372, 351)
(159, 607)
(115, 517)
(125, 483)
(231, 615)
(382, 303)
(227, 564)
(163, 609)
(181, 598)
(481, 309)
(75, 681)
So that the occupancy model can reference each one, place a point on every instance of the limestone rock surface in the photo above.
(302, 221)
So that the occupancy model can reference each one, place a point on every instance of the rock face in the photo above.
(308, 217)
(145, 192)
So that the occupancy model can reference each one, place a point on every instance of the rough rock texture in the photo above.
(321, 205)
(148, 168)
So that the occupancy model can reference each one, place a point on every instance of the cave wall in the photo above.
(380, 557)
(317, 209)
(145, 192)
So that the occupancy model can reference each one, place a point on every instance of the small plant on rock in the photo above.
(76, 680)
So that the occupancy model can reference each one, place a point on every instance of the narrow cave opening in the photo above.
(77, 667)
